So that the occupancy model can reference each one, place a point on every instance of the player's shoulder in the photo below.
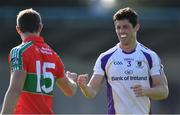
(51, 50)
(20, 48)
(109, 51)
(147, 50)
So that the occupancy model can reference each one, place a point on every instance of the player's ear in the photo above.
(18, 30)
(137, 27)
(40, 27)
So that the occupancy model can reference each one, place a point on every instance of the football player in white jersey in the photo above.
(133, 73)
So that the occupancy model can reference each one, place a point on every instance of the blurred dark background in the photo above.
(79, 30)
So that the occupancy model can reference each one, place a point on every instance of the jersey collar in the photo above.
(33, 38)
(128, 52)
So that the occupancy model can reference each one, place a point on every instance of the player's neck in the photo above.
(24, 35)
(128, 47)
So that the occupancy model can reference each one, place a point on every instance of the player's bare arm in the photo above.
(67, 84)
(15, 87)
(158, 91)
(90, 89)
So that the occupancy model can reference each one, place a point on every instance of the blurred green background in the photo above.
(79, 30)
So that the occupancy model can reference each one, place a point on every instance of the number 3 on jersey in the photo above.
(46, 75)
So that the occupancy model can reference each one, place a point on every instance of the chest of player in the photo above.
(127, 67)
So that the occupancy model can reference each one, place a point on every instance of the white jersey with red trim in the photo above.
(123, 70)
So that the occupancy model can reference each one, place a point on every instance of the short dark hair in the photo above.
(28, 20)
(127, 13)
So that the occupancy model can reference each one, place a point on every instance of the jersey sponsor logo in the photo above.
(129, 78)
(45, 51)
(128, 72)
(116, 78)
(138, 77)
(118, 63)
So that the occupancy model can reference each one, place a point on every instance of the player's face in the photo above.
(125, 31)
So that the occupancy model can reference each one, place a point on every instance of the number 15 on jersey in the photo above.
(45, 75)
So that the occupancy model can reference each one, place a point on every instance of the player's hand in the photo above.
(82, 80)
(139, 90)
(72, 76)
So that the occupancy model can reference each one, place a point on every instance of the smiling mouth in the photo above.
(123, 36)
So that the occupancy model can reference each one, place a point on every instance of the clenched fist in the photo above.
(139, 90)
(72, 76)
(82, 80)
